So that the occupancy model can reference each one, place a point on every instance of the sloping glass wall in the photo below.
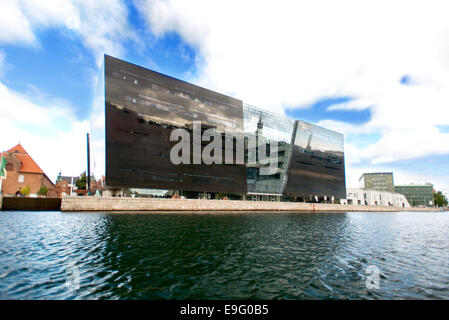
(143, 108)
(135, 110)
(317, 164)
(273, 129)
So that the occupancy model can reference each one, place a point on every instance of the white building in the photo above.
(374, 198)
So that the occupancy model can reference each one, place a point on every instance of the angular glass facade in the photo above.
(317, 163)
(136, 110)
(142, 108)
(274, 128)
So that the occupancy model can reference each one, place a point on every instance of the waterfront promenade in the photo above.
(152, 204)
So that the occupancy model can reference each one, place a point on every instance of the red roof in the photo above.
(18, 149)
(28, 164)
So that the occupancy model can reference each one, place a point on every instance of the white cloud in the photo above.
(284, 54)
(403, 144)
(2, 62)
(358, 104)
(50, 133)
(278, 54)
(101, 24)
(345, 127)
(14, 25)
(292, 53)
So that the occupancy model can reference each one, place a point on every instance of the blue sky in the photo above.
(62, 68)
(390, 98)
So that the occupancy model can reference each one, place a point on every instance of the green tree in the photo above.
(440, 199)
(81, 182)
(25, 191)
(43, 191)
(220, 195)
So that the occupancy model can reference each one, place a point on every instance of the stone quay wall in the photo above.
(151, 204)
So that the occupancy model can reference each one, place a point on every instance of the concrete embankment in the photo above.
(150, 204)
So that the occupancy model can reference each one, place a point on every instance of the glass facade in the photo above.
(142, 108)
(317, 163)
(417, 195)
(136, 110)
(277, 130)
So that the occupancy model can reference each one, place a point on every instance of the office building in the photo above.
(136, 111)
(417, 195)
(380, 181)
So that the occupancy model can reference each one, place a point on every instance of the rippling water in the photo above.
(53, 255)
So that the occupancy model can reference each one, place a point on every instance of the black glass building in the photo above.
(136, 110)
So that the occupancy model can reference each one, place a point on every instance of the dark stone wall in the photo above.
(31, 204)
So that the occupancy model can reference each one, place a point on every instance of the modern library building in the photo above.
(136, 122)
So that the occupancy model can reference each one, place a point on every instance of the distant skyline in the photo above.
(377, 72)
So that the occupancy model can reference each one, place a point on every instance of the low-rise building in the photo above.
(66, 185)
(96, 186)
(20, 171)
(359, 196)
(417, 195)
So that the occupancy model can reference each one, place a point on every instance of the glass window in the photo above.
(21, 178)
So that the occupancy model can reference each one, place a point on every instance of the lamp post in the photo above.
(88, 166)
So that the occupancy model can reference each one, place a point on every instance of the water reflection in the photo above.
(222, 256)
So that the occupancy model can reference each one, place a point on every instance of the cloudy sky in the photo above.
(376, 71)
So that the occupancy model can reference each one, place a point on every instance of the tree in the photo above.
(81, 182)
(220, 195)
(43, 191)
(440, 199)
(25, 191)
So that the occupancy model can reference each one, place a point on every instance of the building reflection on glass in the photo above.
(317, 164)
(271, 127)
(136, 109)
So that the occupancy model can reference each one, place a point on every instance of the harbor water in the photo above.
(282, 255)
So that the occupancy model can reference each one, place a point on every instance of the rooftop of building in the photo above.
(427, 184)
(28, 165)
(68, 179)
(370, 190)
(368, 173)
(374, 173)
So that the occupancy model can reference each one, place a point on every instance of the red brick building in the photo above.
(62, 188)
(66, 185)
(22, 170)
